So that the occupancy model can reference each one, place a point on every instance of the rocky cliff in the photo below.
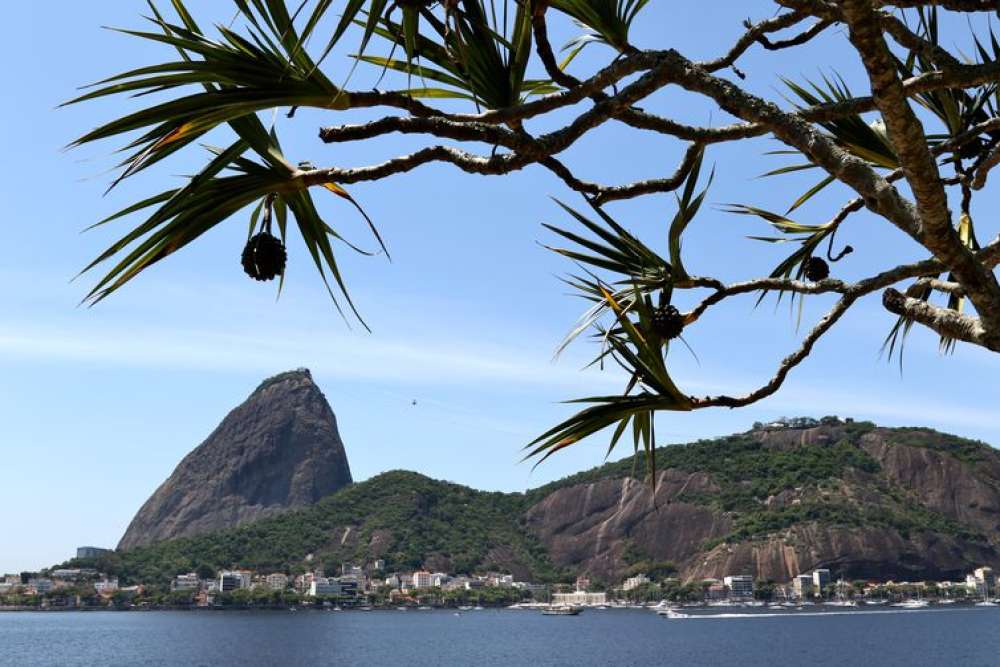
(862, 500)
(280, 449)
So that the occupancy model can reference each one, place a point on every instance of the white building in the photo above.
(185, 582)
(821, 579)
(579, 598)
(635, 582)
(739, 585)
(439, 579)
(982, 582)
(421, 579)
(802, 584)
(277, 581)
(325, 587)
(106, 586)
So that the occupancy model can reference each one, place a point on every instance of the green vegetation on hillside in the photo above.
(402, 517)
(411, 521)
(742, 459)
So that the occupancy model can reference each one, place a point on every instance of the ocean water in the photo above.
(952, 636)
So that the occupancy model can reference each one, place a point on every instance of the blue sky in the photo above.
(98, 405)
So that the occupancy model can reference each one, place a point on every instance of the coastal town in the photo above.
(372, 586)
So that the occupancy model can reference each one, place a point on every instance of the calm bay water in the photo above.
(966, 636)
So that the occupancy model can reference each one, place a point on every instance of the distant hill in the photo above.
(865, 501)
(278, 450)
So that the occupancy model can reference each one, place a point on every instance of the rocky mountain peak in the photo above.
(278, 450)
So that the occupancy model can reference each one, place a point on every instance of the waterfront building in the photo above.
(421, 579)
(232, 580)
(439, 579)
(579, 598)
(716, 591)
(392, 581)
(350, 585)
(739, 585)
(322, 586)
(982, 582)
(802, 584)
(91, 552)
(106, 586)
(41, 585)
(635, 582)
(185, 582)
(538, 591)
(277, 581)
(821, 579)
(583, 583)
(500, 580)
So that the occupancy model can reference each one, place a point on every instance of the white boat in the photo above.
(671, 613)
(423, 607)
(465, 607)
(878, 601)
(986, 603)
(841, 603)
(911, 604)
(478, 608)
(562, 610)
(946, 602)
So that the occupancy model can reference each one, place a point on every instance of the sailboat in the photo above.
(985, 602)
(841, 600)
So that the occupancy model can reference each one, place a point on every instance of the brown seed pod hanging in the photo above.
(264, 257)
(667, 322)
(816, 269)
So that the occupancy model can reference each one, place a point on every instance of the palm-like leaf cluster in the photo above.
(605, 21)
(642, 281)
(468, 55)
(239, 77)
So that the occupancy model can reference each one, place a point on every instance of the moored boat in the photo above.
(562, 610)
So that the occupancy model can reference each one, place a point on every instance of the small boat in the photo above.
(986, 603)
(671, 613)
(465, 607)
(423, 607)
(911, 604)
(478, 608)
(949, 601)
(400, 608)
(560, 611)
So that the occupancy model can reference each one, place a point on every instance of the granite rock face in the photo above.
(589, 527)
(279, 450)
